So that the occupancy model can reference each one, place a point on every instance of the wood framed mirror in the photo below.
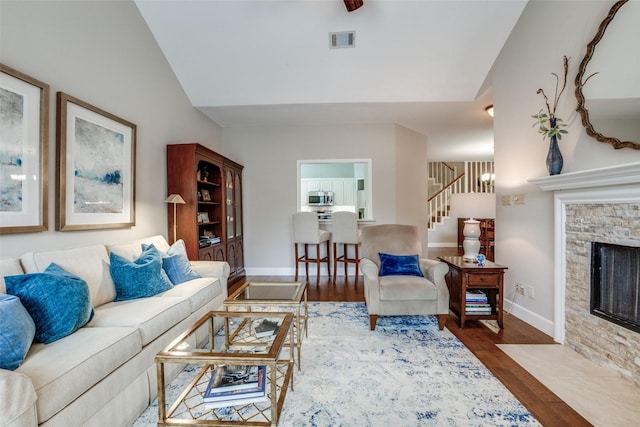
(607, 84)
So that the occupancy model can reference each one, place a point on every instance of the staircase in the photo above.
(446, 179)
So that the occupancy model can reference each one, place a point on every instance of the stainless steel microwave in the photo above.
(320, 198)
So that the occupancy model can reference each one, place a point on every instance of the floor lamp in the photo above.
(175, 199)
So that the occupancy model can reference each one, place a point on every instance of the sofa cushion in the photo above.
(401, 288)
(399, 265)
(57, 300)
(9, 267)
(16, 332)
(63, 370)
(176, 263)
(151, 316)
(143, 277)
(197, 291)
(90, 263)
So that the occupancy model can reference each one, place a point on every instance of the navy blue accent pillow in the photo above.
(141, 278)
(58, 301)
(399, 265)
(176, 263)
(16, 332)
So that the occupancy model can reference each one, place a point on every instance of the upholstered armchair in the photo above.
(407, 294)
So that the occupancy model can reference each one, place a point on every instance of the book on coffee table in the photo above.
(226, 378)
(235, 402)
(228, 393)
(266, 328)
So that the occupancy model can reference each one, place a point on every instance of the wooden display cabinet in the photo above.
(211, 186)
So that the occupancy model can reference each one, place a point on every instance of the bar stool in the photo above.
(306, 231)
(345, 233)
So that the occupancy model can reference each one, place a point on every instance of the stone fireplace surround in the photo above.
(601, 205)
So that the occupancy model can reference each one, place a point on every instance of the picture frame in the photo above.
(203, 217)
(206, 196)
(24, 152)
(95, 162)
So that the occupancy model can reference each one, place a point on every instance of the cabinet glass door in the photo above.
(238, 205)
(230, 213)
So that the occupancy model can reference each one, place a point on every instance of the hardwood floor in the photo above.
(548, 408)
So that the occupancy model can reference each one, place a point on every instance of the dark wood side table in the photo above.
(464, 276)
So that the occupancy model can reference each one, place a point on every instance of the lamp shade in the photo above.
(175, 198)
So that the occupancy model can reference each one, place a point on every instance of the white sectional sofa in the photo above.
(104, 373)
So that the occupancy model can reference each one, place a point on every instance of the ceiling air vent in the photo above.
(342, 39)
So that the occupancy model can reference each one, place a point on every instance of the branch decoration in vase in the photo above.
(550, 125)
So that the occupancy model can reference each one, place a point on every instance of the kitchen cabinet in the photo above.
(211, 186)
(344, 189)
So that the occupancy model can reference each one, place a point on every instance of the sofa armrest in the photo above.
(217, 269)
(435, 271)
(17, 400)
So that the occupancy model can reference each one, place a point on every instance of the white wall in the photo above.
(103, 53)
(269, 155)
(524, 239)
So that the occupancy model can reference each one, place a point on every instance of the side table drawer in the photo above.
(483, 279)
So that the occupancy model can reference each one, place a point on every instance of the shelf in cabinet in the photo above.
(213, 184)
(210, 223)
(201, 202)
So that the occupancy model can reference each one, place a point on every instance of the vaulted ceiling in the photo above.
(422, 64)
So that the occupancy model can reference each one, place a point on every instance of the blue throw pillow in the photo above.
(399, 265)
(141, 278)
(176, 263)
(58, 301)
(16, 332)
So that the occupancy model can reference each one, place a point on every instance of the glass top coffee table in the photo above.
(275, 296)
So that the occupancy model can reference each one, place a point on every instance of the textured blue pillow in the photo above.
(141, 278)
(58, 301)
(16, 332)
(176, 263)
(399, 265)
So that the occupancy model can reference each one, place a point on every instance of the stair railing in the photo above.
(442, 173)
(439, 205)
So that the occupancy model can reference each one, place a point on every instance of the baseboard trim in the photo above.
(289, 271)
(526, 315)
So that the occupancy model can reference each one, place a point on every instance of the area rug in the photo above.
(405, 373)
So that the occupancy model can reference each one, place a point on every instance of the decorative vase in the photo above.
(554, 157)
(471, 243)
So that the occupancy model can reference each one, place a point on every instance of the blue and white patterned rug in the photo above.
(405, 373)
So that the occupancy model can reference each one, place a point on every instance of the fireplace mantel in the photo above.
(593, 178)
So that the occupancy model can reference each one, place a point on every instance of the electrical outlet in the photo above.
(530, 291)
(519, 288)
(506, 200)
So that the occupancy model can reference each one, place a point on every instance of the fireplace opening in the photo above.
(615, 284)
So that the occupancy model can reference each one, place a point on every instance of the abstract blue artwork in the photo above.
(97, 167)
(24, 133)
(98, 164)
(11, 146)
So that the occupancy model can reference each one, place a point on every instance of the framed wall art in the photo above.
(96, 167)
(24, 144)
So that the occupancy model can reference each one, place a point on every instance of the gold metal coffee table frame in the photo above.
(239, 346)
(288, 296)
